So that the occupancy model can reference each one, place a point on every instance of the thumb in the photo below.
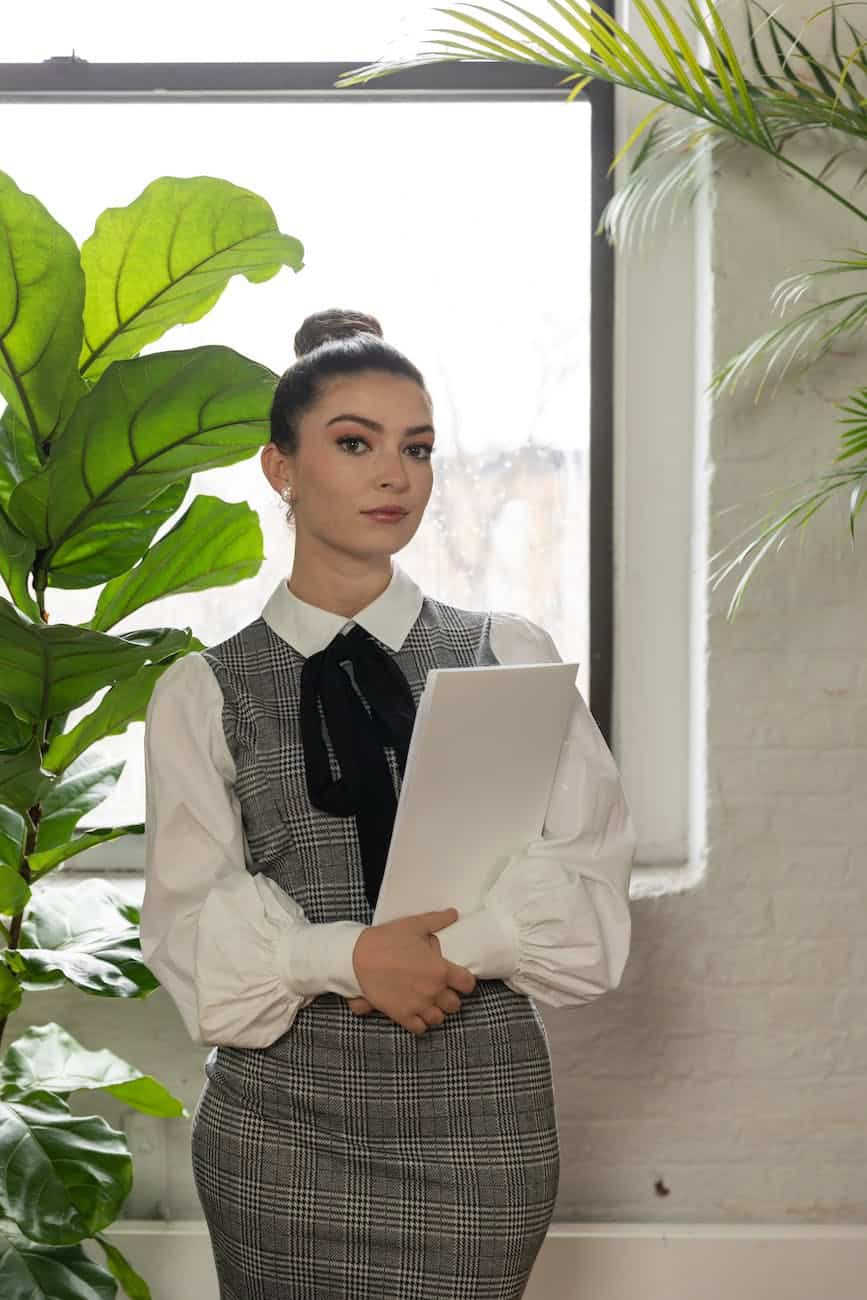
(438, 920)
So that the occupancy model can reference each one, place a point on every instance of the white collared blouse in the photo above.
(236, 952)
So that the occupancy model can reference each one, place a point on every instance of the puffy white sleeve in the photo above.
(235, 952)
(556, 923)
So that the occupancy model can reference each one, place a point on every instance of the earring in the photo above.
(289, 497)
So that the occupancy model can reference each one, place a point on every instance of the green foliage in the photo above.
(47, 1058)
(63, 1177)
(212, 545)
(98, 445)
(790, 91)
(31, 1272)
(134, 1285)
(80, 934)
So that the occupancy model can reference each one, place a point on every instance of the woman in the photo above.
(378, 1117)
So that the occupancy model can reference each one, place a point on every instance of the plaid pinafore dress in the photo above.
(352, 1159)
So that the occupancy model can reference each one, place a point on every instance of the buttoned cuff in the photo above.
(318, 959)
(486, 942)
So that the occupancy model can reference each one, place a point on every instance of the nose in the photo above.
(392, 470)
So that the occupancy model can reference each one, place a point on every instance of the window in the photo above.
(463, 221)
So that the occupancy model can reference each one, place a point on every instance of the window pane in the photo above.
(103, 31)
(465, 229)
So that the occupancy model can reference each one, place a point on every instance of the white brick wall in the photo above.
(731, 1066)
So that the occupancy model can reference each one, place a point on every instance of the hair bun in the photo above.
(333, 323)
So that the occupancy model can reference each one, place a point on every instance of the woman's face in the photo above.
(364, 445)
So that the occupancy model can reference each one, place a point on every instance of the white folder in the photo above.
(480, 768)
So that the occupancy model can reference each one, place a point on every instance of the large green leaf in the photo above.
(119, 1266)
(30, 1272)
(103, 972)
(83, 788)
(123, 703)
(41, 304)
(16, 560)
(81, 934)
(50, 669)
(215, 544)
(13, 835)
(62, 1177)
(23, 781)
(165, 259)
(14, 891)
(103, 550)
(20, 457)
(148, 423)
(41, 863)
(15, 733)
(47, 1057)
(10, 992)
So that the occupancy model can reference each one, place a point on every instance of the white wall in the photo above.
(725, 1080)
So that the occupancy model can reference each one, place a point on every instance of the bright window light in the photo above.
(465, 229)
(204, 31)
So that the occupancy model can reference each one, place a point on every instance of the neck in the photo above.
(342, 584)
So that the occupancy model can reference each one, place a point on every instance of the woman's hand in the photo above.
(402, 972)
(447, 1001)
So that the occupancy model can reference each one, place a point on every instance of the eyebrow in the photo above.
(378, 428)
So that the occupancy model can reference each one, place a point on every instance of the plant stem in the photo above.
(40, 582)
(13, 934)
(814, 180)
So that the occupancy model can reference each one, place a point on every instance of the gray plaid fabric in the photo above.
(351, 1159)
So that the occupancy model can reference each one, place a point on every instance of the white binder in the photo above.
(480, 768)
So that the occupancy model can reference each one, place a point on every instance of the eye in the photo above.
(351, 438)
(415, 446)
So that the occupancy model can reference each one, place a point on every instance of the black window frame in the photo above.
(75, 80)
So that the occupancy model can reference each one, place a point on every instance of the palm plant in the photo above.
(702, 105)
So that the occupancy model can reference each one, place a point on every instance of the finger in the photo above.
(449, 1001)
(433, 1016)
(360, 1005)
(460, 978)
(416, 1025)
(439, 920)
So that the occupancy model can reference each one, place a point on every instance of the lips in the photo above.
(384, 510)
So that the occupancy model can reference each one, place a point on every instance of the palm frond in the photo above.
(777, 531)
(848, 67)
(772, 533)
(823, 76)
(667, 171)
(729, 71)
(792, 289)
(804, 339)
(586, 40)
(854, 435)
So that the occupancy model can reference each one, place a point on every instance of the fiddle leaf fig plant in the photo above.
(98, 443)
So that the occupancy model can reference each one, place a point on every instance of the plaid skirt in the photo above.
(353, 1160)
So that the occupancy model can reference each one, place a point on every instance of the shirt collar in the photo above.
(310, 629)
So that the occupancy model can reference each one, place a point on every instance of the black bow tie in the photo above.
(365, 788)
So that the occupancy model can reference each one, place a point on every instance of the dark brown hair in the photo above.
(330, 343)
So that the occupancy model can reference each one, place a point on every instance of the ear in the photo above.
(276, 466)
